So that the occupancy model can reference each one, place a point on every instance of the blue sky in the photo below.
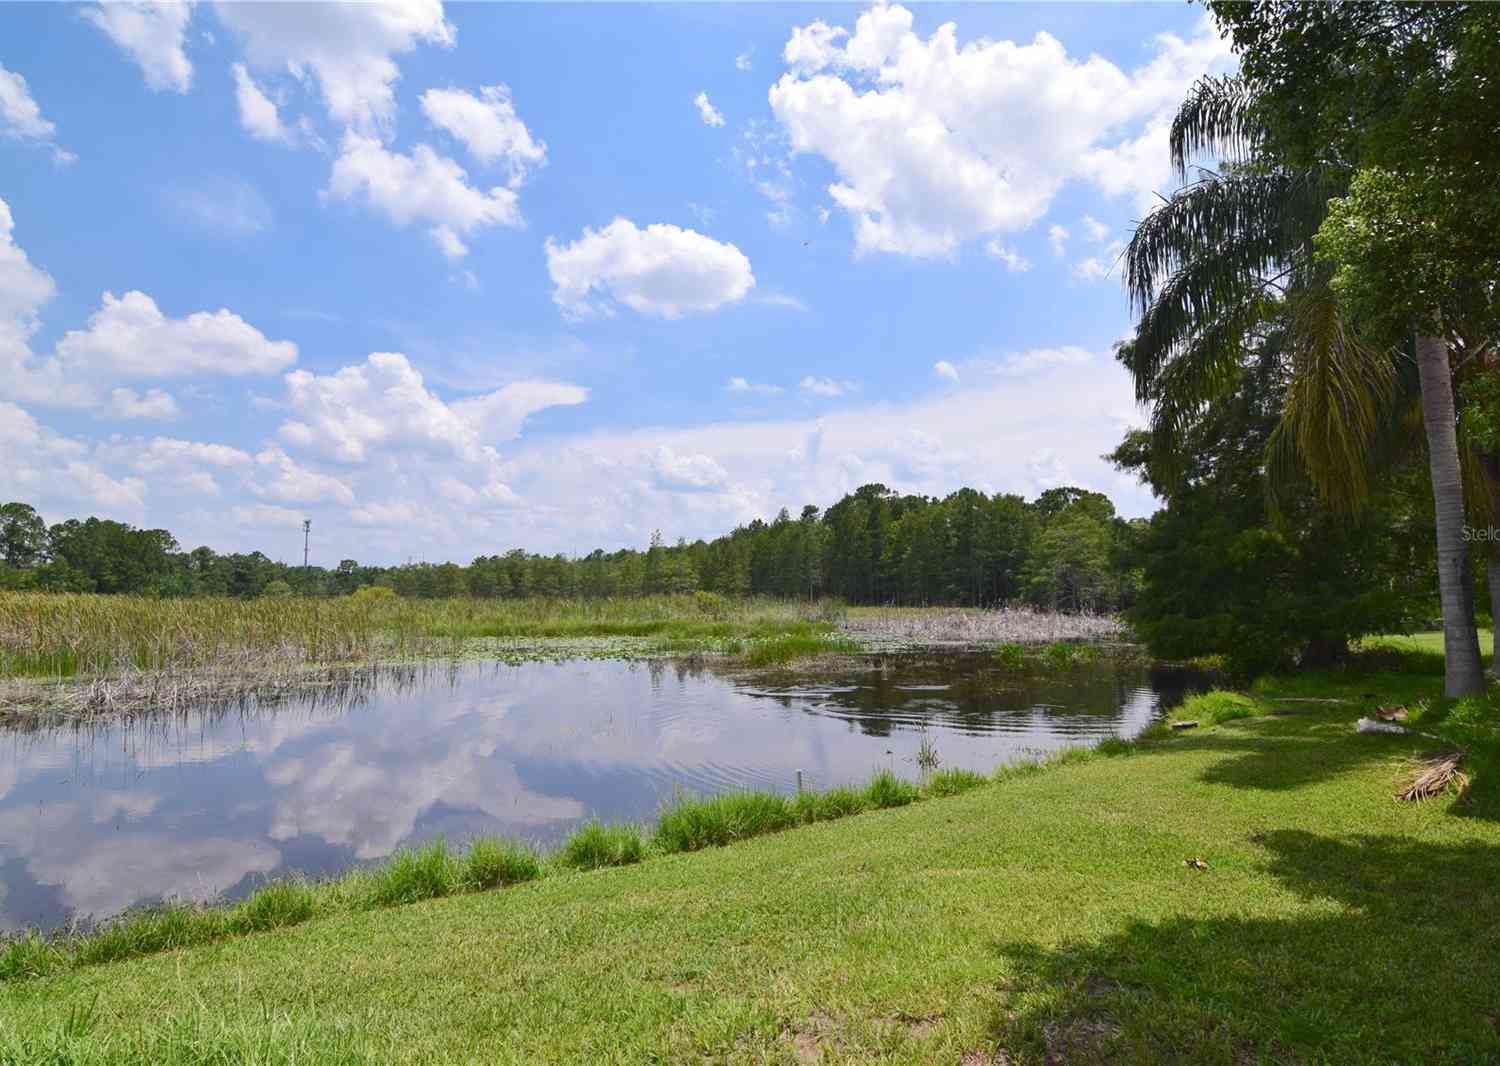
(450, 279)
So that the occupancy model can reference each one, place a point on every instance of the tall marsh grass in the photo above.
(69, 634)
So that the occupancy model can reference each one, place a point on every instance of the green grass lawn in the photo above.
(1050, 914)
(1430, 642)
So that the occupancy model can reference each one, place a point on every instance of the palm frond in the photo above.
(1339, 397)
(1217, 119)
(1270, 218)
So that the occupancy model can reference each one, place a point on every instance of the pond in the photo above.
(96, 820)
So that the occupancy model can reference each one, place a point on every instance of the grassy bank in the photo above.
(1249, 891)
(435, 871)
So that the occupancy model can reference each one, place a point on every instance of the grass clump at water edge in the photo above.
(1219, 705)
(691, 823)
(594, 845)
(887, 790)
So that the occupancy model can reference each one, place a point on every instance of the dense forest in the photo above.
(1067, 549)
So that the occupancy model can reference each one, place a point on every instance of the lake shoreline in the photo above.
(924, 932)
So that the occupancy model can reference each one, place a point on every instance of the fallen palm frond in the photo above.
(1436, 773)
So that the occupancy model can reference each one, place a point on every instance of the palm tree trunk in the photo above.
(1463, 671)
(1491, 464)
(1495, 599)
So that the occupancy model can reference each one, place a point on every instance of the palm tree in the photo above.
(1226, 266)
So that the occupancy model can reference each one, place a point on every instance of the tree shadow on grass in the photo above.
(1285, 753)
(1394, 956)
(1274, 754)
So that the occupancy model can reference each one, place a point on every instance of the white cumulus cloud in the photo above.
(384, 402)
(944, 369)
(936, 142)
(827, 387)
(130, 337)
(1057, 237)
(154, 403)
(153, 33)
(348, 48)
(1014, 261)
(21, 117)
(258, 113)
(290, 482)
(420, 187)
(741, 384)
(488, 126)
(710, 114)
(686, 473)
(660, 270)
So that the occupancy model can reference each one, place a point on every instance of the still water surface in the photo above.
(93, 821)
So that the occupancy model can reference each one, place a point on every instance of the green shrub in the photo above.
(710, 603)
(953, 781)
(691, 824)
(593, 845)
(887, 790)
(1472, 722)
(492, 862)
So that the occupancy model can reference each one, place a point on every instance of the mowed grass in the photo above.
(1250, 892)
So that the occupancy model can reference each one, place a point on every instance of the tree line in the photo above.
(1318, 336)
(1067, 550)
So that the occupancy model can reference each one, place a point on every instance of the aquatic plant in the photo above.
(927, 753)
(1010, 656)
(788, 647)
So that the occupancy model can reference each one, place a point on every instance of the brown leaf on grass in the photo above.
(1195, 864)
(1391, 714)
